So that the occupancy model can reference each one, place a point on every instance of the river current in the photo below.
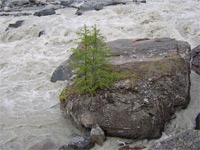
(29, 102)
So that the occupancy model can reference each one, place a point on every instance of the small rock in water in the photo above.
(41, 33)
(17, 24)
(97, 135)
(140, 1)
(46, 144)
(197, 120)
(78, 143)
(66, 2)
(45, 12)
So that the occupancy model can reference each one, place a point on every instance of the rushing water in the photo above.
(29, 103)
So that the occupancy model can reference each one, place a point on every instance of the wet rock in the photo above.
(195, 54)
(140, 1)
(159, 84)
(18, 2)
(17, 24)
(16, 14)
(41, 33)
(66, 2)
(45, 12)
(197, 122)
(78, 143)
(98, 5)
(46, 144)
(97, 135)
(185, 140)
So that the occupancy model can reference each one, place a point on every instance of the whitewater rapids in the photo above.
(29, 102)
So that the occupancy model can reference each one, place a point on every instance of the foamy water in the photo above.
(29, 103)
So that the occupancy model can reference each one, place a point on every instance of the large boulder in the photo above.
(185, 140)
(195, 54)
(157, 83)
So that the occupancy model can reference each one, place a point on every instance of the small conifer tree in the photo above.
(92, 61)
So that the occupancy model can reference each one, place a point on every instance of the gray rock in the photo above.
(46, 144)
(195, 54)
(97, 5)
(186, 140)
(45, 12)
(15, 15)
(159, 84)
(17, 24)
(197, 122)
(143, 48)
(66, 2)
(19, 2)
(78, 143)
(97, 135)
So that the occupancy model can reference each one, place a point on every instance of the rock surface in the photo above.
(63, 72)
(186, 140)
(195, 54)
(138, 106)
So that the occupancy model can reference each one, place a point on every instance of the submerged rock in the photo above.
(17, 24)
(46, 144)
(195, 54)
(66, 2)
(45, 12)
(186, 140)
(157, 84)
(97, 5)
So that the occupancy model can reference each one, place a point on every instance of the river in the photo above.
(29, 102)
